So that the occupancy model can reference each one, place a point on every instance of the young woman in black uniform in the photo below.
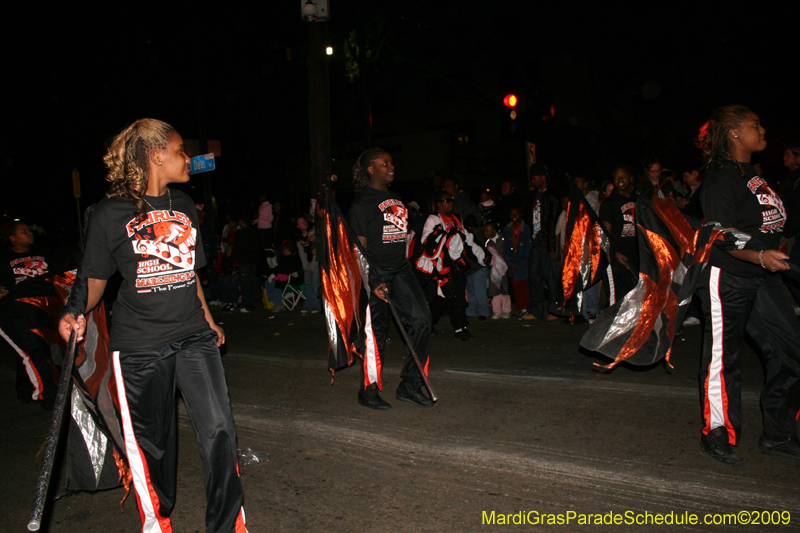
(163, 337)
(380, 221)
(743, 291)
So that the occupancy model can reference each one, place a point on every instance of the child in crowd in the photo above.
(498, 282)
(516, 250)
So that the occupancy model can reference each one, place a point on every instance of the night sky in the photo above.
(623, 83)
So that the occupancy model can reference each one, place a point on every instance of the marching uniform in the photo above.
(740, 296)
(382, 219)
(34, 373)
(160, 342)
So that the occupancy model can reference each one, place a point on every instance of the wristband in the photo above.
(761, 258)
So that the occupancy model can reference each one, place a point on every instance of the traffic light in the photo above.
(511, 101)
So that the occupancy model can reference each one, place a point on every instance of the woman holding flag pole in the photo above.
(164, 338)
(380, 221)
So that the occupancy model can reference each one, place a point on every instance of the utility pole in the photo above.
(319, 96)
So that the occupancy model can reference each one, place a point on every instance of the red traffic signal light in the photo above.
(510, 100)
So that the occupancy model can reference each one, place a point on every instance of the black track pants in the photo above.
(146, 386)
(760, 306)
(409, 300)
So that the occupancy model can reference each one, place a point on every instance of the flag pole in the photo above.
(411, 349)
(43, 482)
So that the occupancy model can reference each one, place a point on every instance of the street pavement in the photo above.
(526, 428)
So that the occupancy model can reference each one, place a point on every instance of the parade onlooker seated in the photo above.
(288, 263)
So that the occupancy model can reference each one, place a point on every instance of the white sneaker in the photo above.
(505, 315)
(243, 310)
(496, 316)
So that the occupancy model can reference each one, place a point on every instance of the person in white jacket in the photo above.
(447, 251)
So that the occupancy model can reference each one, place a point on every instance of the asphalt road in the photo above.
(525, 427)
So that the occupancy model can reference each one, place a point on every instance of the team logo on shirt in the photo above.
(28, 267)
(629, 218)
(774, 213)
(166, 242)
(396, 214)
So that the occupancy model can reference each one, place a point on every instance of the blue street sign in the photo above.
(202, 163)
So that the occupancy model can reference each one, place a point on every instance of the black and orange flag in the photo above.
(95, 436)
(587, 250)
(673, 252)
(345, 288)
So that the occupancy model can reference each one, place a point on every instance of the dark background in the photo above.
(622, 82)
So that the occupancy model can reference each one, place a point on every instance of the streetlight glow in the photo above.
(329, 50)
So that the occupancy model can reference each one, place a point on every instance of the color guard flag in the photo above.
(640, 329)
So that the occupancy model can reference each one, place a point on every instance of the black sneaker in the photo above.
(788, 448)
(370, 398)
(411, 391)
(464, 335)
(716, 446)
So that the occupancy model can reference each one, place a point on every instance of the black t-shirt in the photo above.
(157, 302)
(383, 219)
(747, 203)
(620, 212)
(17, 267)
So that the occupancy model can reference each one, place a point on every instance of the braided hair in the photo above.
(360, 169)
(712, 138)
(127, 160)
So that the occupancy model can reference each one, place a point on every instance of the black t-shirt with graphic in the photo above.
(620, 212)
(383, 219)
(747, 203)
(157, 302)
(17, 267)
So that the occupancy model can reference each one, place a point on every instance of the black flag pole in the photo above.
(410, 345)
(43, 482)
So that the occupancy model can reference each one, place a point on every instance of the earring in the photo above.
(735, 137)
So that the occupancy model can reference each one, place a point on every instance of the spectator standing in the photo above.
(543, 270)
(249, 255)
(264, 222)
(516, 252)
(308, 249)
(498, 270)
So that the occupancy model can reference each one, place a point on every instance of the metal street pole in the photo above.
(319, 104)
